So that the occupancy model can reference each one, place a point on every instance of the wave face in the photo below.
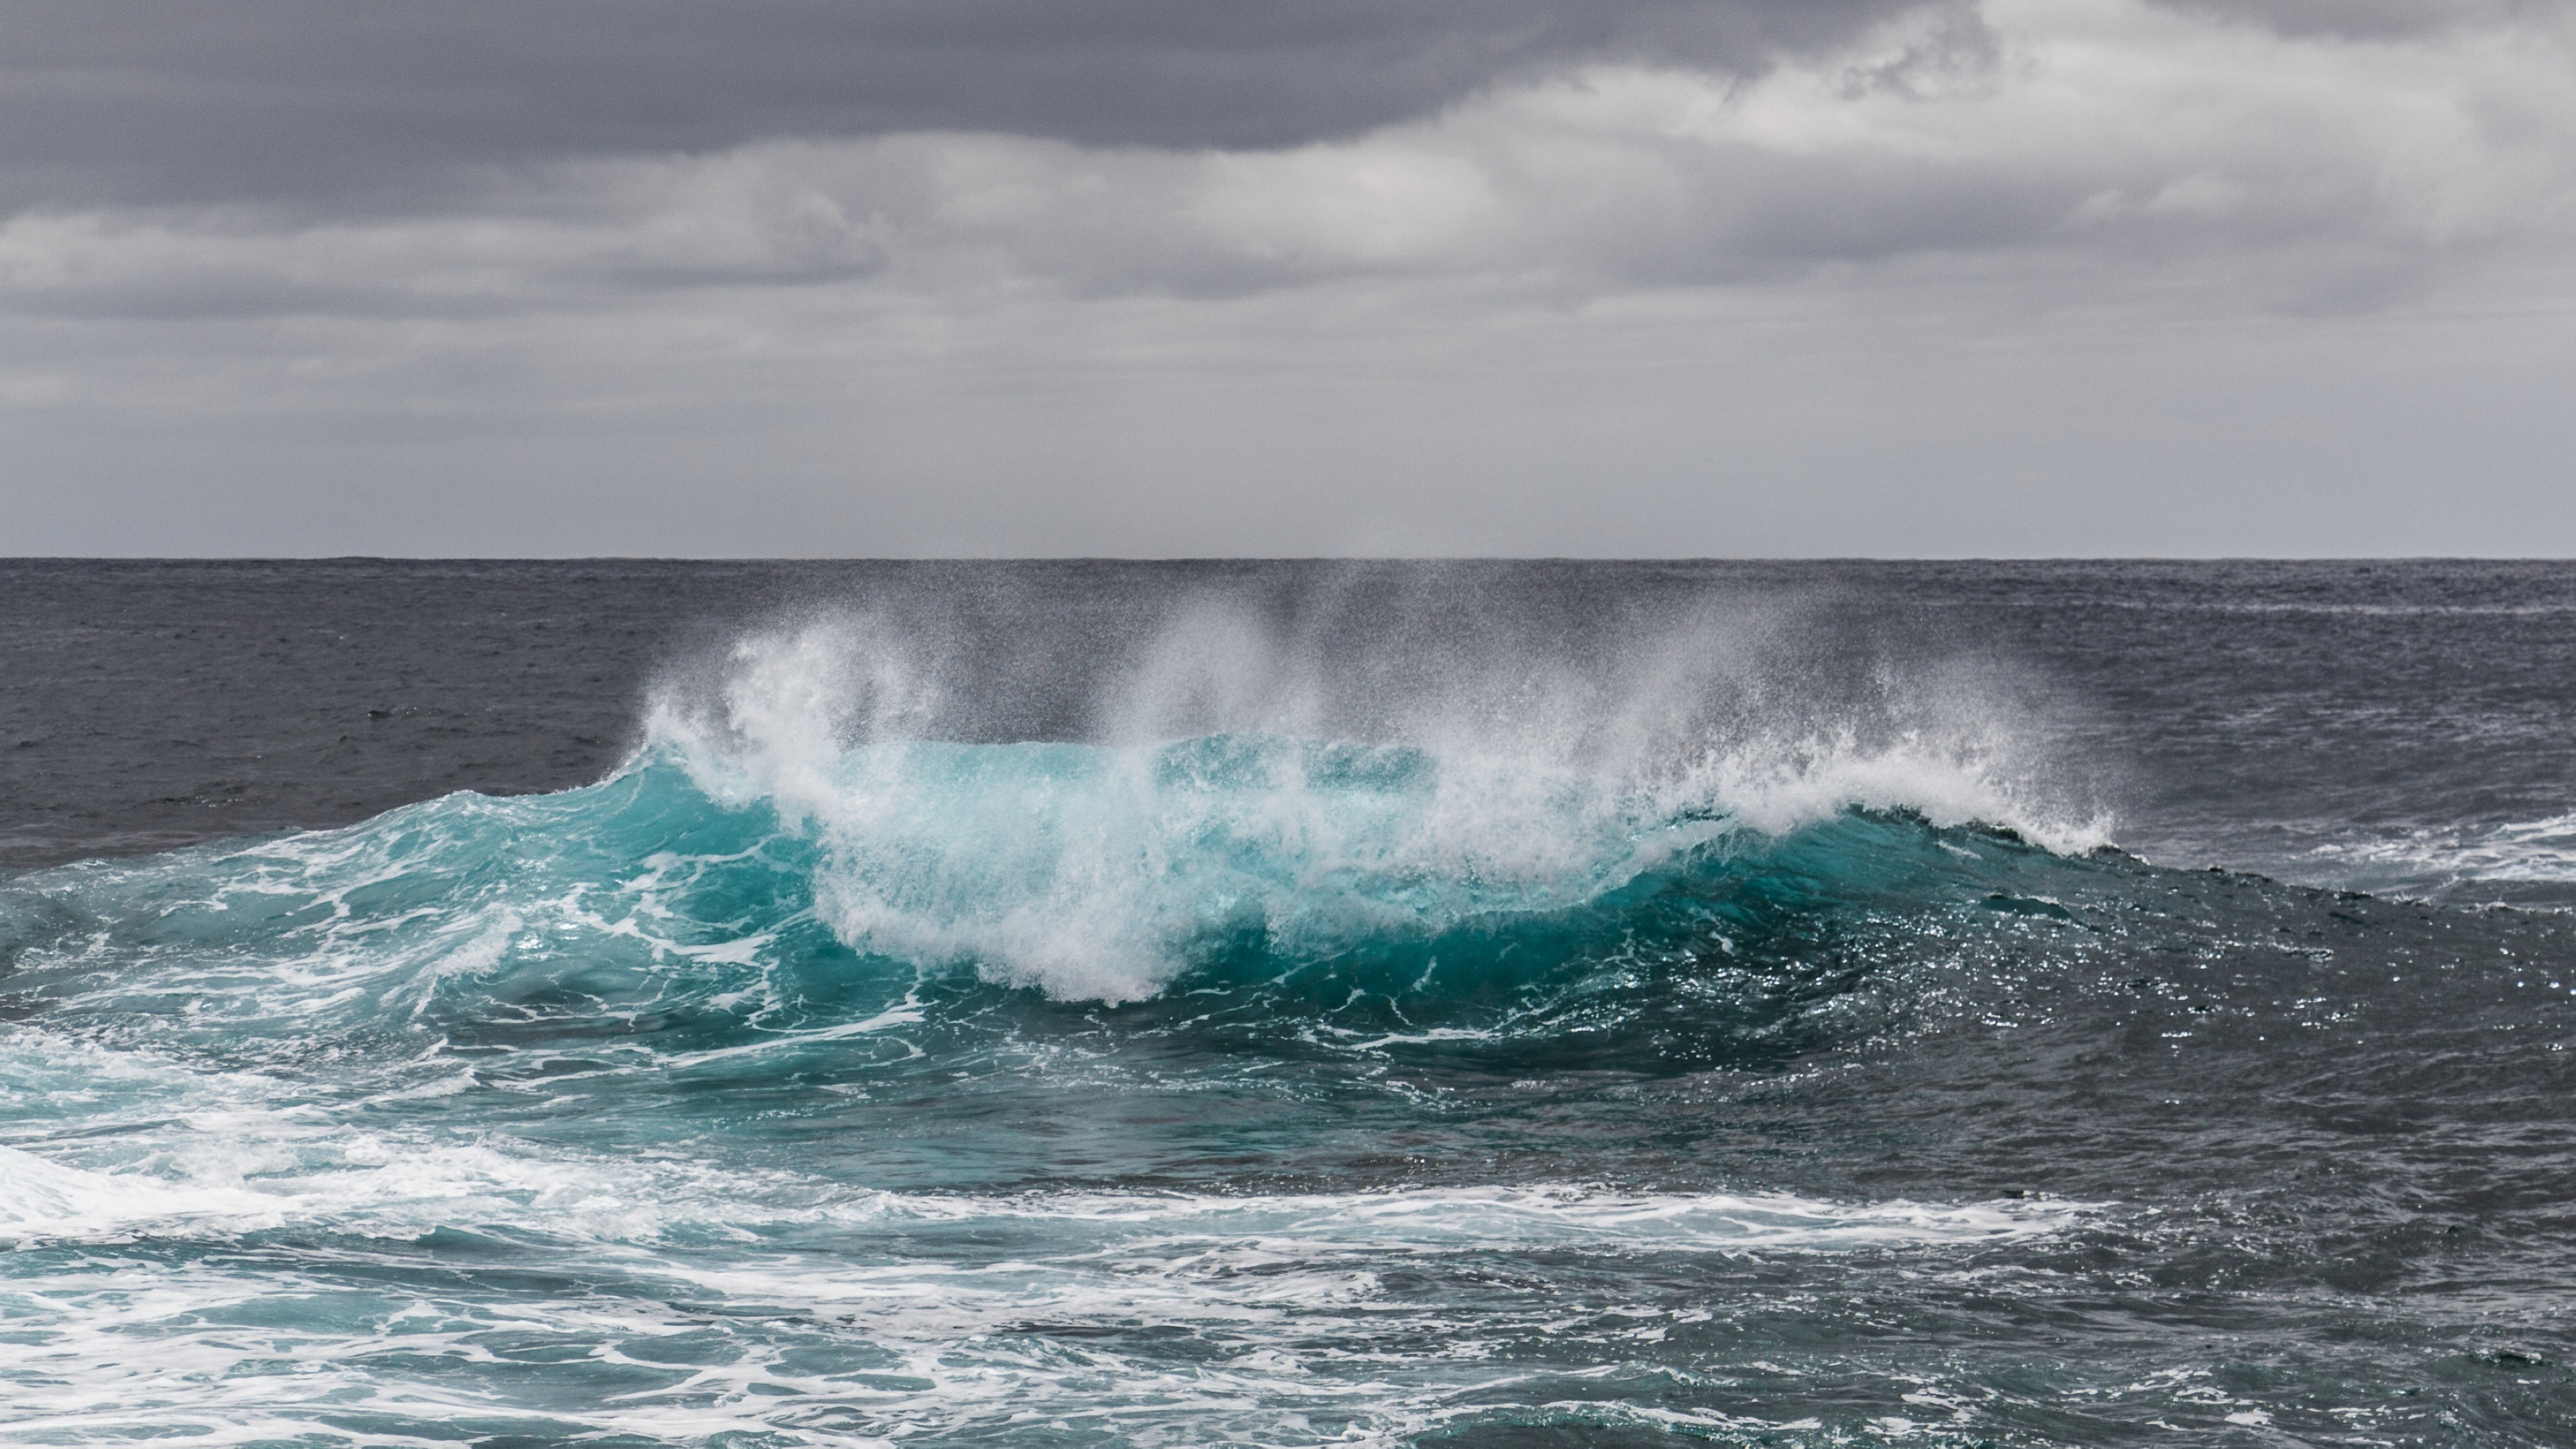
(1284, 1046)
(1314, 888)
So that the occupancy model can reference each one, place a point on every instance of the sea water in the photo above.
(1288, 1004)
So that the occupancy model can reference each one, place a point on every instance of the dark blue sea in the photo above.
(1511, 1004)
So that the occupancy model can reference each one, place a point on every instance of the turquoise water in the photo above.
(1039, 1079)
(803, 1083)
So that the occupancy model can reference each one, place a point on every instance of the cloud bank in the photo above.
(998, 276)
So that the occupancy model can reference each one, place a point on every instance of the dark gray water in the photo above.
(2083, 1004)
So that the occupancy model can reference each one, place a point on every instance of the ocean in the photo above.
(1512, 1004)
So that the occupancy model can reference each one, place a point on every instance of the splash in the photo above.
(1245, 781)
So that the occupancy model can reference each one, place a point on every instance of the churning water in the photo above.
(1288, 1004)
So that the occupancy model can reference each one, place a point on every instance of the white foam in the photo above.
(233, 1170)
(1091, 871)
(978, 1309)
(1292, 1359)
(907, 1013)
(42, 1199)
(977, 1313)
(2519, 851)
(1520, 1216)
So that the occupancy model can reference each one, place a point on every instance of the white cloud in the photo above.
(2043, 179)
(2138, 137)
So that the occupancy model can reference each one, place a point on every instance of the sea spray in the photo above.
(1473, 782)
(1085, 1004)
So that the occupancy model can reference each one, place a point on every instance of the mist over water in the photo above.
(1534, 1004)
(1360, 767)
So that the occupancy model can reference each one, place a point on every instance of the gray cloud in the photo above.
(2108, 142)
(2363, 19)
(175, 101)
(1182, 275)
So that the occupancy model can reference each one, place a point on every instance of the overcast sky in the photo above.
(1151, 277)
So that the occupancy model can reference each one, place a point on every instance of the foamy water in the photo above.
(1526, 1016)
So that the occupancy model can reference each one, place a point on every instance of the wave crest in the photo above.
(1103, 869)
